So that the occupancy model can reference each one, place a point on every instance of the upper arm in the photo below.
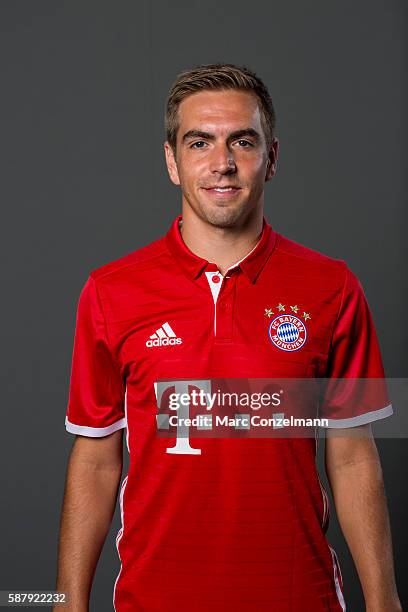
(102, 452)
(348, 447)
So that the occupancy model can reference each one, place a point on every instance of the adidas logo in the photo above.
(164, 336)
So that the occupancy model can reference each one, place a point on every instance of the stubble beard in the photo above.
(220, 215)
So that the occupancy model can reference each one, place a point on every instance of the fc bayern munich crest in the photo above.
(287, 332)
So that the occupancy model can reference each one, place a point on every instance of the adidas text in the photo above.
(163, 341)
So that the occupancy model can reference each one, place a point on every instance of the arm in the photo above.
(91, 488)
(355, 476)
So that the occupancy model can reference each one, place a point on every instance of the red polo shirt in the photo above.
(219, 523)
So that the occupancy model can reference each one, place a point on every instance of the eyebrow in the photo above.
(232, 136)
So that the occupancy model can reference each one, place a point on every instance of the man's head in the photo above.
(220, 133)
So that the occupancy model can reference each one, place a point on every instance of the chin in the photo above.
(224, 216)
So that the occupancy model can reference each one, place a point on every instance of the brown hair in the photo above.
(217, 77)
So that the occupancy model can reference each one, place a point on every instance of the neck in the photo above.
(223, 246)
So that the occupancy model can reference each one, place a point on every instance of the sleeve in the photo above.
(96, 390)
(355, 386)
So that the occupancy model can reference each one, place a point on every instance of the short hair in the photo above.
(217, 77)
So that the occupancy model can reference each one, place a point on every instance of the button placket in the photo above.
(224, 308)
(223, 292)
(215, 281)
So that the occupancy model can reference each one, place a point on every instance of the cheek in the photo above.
(260, 163)
(190, 171)
(187, 180)
(254, 169)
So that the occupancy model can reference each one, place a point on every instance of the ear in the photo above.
(171, 163)
(272, 160)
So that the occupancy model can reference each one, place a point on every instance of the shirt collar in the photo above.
(193, 265)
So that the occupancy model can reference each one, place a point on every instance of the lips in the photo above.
(222, 192)
(222, 188)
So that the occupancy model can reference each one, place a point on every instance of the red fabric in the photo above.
(240, 526)
(355, 368)
(97, 388)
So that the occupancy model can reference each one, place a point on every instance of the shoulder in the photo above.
(327, 276)
(311, 261)
(294, 249)
(142, 259)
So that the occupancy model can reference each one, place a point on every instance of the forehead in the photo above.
(220, 111)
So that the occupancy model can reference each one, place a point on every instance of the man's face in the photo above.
(221, 143)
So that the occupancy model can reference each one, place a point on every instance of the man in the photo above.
(220, 523)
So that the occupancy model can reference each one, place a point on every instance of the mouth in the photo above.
(225, 192)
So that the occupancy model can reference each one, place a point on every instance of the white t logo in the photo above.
(182, 446)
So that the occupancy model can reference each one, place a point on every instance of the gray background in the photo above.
(83, 181)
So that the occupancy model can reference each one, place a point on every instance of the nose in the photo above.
(222, 160)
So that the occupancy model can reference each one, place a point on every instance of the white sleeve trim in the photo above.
(94, 432)
(361, 419)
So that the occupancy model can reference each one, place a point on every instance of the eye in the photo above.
(246, 142)
(198, 142)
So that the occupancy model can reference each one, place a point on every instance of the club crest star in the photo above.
(306, 316)
(280, 307)
(295, 308)
(268, 312)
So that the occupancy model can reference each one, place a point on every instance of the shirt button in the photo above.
(215, 279)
